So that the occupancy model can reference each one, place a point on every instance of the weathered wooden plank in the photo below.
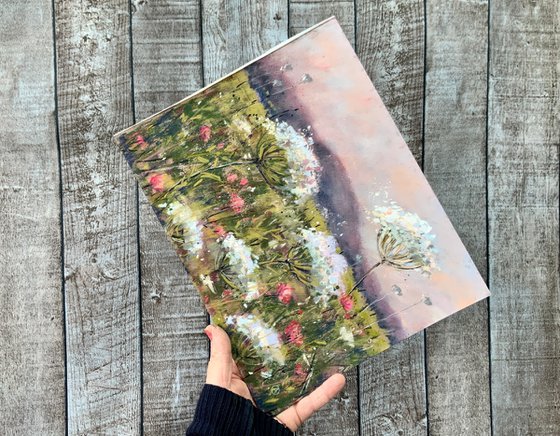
(166, 53)
(455, 165)
(99, 218)
(32, 392)
(340, 416)
(390, 44)
(236, 31)
(306, 13)
(167, 67)
(523, 138)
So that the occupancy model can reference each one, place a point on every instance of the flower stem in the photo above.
(368, 272)
(216, 213)
(410, 306)
(309, 374)
(370, 305)
(218, 167)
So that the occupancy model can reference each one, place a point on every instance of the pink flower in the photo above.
(244, 181)
(227, 293)
(220, 146)
(285, 292)
(220, 231)
(293, 333)
(346, 302)
(299, 372)
(141, 142)
(156, 182)
(236, 203)
(205, 132)
(231, 177)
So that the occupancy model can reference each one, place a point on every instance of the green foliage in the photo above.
(214, 157)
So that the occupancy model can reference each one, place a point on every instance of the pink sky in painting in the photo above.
(348, 117)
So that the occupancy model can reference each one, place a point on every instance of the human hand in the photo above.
(223, 372)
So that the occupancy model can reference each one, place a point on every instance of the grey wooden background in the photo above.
(100, 329)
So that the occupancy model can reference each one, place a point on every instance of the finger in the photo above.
(220, 364)
(235, 369)
(307, 406)
(238, 385)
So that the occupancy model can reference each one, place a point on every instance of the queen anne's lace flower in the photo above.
(182, 216)
(346, 335)
(327, 265)
(404, 239)
(263, 338)
(239, 255)
(244, 263)
(302, 163)
(252, 291)
(243, 127)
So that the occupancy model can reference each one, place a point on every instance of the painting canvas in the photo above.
(301, 215)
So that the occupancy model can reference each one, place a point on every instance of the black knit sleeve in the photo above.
(220, 412)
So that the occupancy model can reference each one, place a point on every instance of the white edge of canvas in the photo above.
(266, 53)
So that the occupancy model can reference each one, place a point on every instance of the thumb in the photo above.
(220, 364)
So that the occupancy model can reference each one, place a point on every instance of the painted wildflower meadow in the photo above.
(301, 216)
(235, 193)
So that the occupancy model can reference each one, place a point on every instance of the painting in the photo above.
(301, 216)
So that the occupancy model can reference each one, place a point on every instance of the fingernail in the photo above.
(208, 332)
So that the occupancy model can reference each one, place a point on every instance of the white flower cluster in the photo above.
(239, 255)
(327, 266)
(303, 164)
(242, 126)
(346, 335)
(243, 262)
(264, 338)
(252, 289)
(407, 241)
(182, 216)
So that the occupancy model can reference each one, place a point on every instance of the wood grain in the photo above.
(523, 141)
(390, 44)
(99, 205)
(306, 13)
(173, 53)
(235, 31)
(167, 67)
(341, 416)
(455, 165)
(32, 392)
